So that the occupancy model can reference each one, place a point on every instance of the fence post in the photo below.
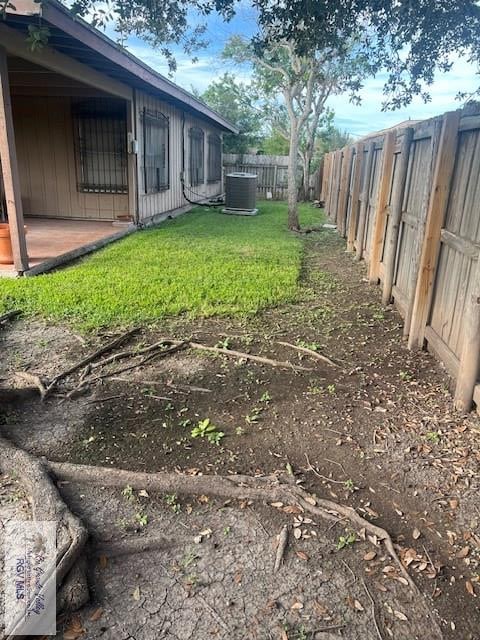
(362, 219)
(274, 189)
(332, 185)
(396, 215)
(343, 192)
(433, 226)
(379, 229)
(352, 226)
(470, 357)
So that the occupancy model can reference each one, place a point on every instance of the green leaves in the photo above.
(205, 429)
(37, 37)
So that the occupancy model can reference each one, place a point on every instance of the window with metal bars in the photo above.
(214, 158)
(156, 159)
(100, 131)
(196, 156)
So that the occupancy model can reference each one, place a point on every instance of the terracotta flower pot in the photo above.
(6, 255)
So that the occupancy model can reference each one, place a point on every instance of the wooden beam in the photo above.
(362, 216)
(344, 190)
(396, 204)
(352, 226)
(433, 227)
(131, 161)
(11, 179)
(16, 44)
(469, 368)
(379, 223)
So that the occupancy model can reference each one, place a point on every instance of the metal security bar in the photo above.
(156, 155)
(197, 171)
(100, 132)
(214, 158)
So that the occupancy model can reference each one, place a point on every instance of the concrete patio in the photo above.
(52, 242)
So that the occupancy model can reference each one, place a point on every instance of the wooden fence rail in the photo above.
(408, 202)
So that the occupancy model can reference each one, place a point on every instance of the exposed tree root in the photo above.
(155, 350)
(268, 489)
(310, 352)
(47, 504)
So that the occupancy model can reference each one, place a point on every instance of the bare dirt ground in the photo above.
(377, 432)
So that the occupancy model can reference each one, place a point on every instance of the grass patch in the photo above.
(200, 264)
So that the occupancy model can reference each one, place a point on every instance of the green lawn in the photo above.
(201, 264)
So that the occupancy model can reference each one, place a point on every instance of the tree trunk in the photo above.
(293, 219)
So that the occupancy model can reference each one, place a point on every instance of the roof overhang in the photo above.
(75, 38)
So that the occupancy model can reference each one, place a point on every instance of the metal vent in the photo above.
(241, 191)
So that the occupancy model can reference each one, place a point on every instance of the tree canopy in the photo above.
(408, 40)
(236, 102)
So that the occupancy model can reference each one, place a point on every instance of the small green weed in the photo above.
(433, 437)
(205, 429)
(346, 541)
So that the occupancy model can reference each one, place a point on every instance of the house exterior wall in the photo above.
(150, 205)
(46, 162)
(47, 166)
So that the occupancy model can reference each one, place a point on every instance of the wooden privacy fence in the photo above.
(407, 200)
(271, 172)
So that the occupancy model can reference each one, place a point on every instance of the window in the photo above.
(214, 158)
(196, 156)
(155, 151)
(100, 132)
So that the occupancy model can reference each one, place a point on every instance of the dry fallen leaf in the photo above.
(143, 493)
(277, 505)
(370, 555)
(297, 534)
(358, 605)
(74, 629)
(136, 593)
(302, 555)
(311, 500)
(469, 588)
(97, 614)
(416, 534)
(453, 503)
(103, 561)
(296, 606)
(463, 553)
(400, 616)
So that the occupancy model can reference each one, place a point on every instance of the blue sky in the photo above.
(357, 120)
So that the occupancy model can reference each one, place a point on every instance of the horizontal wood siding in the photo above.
(154, 204)
(46, 159)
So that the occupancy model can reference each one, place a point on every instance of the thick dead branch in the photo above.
(282, 545)
(310, 352)
(48, 505)
(268, 489)
(247, 356)
(88, 359)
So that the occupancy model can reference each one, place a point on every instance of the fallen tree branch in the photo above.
(247, 356)
(88, 359)
(310, 352)
(268, 489)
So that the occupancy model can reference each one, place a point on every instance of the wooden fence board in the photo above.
(410, 205)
